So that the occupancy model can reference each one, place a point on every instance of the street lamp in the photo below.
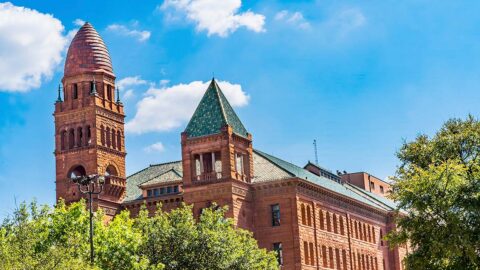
(90, 184)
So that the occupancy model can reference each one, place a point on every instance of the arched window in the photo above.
(63, 139)
(344, 259)
(337, 257)
(312, 256)
(369, 230)
(111, 171)
(364, 232)
(322, 226)
(367, 258)
(109, 92)
(329, 225)
(75, 91)
(354, 261)
(71, 138)
(79, 137)
(304, 221)
(88, 141)
(76, 171)
(374, 239)
(335, 230)
(119, 140)
(309, 216)
(305, 251)
(330, 255)
(324, 256)
(108, 137)
(114, 137)
(381, 237)
(342, 229)
(102, 135)
(356, 230)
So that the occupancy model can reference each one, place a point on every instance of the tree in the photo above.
(57, 238)
(437, 188)
(178, 241)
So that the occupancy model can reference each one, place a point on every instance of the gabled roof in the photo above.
(213, 113)
(166, 177)
(149, 173)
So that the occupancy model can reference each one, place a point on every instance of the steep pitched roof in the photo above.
(213, 113)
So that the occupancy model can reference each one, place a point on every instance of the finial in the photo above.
(118, 96)
(59, 99)
(94, 87)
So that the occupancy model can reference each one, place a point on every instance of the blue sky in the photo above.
(358, 76)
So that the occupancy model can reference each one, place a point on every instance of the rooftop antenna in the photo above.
(316, 153)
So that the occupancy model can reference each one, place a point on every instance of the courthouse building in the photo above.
(312, 218)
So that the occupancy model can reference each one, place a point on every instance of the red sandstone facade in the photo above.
(312, 221)
(368, 182)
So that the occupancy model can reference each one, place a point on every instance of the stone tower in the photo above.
(89, 122)
(217, 158)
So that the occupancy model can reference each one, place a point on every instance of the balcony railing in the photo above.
(210, 176)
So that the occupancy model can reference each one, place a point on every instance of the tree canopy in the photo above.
(437, 187)
(57, 238)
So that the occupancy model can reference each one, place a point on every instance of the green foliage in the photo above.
(57, 238)
(178, 241)
(437, 187)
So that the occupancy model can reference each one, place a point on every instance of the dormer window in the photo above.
(156, 192)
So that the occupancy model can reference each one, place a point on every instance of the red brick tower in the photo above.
(89, 122)
(217, 158)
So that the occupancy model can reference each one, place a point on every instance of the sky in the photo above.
(360, 77)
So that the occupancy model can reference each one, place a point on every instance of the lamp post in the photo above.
(90, 184)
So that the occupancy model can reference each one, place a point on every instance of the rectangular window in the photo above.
(149, 193)
(275, 214)
(372, 185)
(239, 163)
(155, 192)
(169, 190)
(381, 189)
(175, 189)
(162, 190)
(277, 247)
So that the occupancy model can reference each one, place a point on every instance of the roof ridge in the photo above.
(366, 194)
(217, 91)
(164, 163)
(151, 165)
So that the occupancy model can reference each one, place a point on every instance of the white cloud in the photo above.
(156, 147)
(167, 108)
(347, 20)
(217, 17)
(140, 35)
(127, 85)
(79, 22)
(31, 46)
(293, 18)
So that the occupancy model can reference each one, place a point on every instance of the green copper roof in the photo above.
(213, 113)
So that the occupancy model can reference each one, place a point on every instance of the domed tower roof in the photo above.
(87, 53)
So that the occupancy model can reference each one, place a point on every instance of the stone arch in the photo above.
(76, 171)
